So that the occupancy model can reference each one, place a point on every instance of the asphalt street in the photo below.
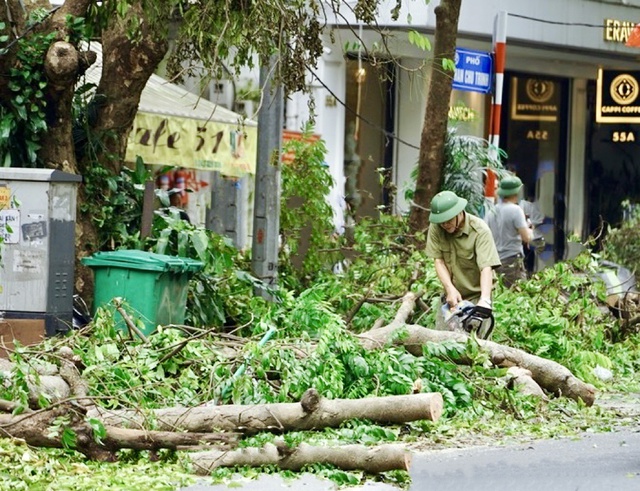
(595, 462)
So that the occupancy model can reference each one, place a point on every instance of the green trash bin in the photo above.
(153, 286)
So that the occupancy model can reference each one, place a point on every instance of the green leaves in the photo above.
(448, 65)
(314, 346)
(99, 431)
(60, 429)
(306, 217)
(22, 119)
(420, 40)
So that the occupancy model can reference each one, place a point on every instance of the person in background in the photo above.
(464, 253)
(536, 217)
(510, 230)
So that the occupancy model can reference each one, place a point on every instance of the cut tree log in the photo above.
(521, 379)
(551, 376)
(313, 412)
(347, 457)
(46, 384)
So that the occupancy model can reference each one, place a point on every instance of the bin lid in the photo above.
(143, 260)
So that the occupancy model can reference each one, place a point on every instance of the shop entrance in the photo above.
(612, 169)
(535, 139)
(368, 152)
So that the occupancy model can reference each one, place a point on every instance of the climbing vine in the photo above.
(23, 118)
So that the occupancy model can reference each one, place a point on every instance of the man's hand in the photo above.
(453, 297)
(484, 302)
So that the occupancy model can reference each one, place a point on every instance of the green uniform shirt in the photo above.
(465, 252)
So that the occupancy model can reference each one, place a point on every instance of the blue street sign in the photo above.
(474, 71)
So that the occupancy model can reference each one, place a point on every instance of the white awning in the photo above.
(176, 127)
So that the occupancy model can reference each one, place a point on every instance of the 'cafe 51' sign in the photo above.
(192, 143)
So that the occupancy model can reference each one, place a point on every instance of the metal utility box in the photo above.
(37, 223)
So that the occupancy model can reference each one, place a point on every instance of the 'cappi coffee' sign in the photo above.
(618, 97)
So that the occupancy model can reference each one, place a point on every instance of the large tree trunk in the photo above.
(313, 412)
(550, 375)
(434, 129)
(127, 65)
(347, 457)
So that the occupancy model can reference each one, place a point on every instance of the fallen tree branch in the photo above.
(347, 457)
(127, 320)
(10, 406)
(117, 438)
(551, 376)
(37, 429)
(313, 412)
(521, 380)
(69, 372)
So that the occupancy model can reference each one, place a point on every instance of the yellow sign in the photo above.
(617, 31)
(617, 96)
(5, 197)
(534, 99)
(194, 144)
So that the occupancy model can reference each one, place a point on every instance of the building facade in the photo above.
(576, 166)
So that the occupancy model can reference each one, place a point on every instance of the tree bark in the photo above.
(62, 66)
(48, 384)
(548, 374)
(522, 381)
(127, 65)
(347, 457)
(434, 130)
(36, 428)
(313, 412)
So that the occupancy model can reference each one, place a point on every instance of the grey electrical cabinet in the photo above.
(37, 225)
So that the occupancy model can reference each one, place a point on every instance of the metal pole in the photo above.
(500, 54)
(147, 209)
(266, 212)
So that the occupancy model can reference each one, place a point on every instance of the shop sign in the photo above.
(534, 99)
(617, 31)
(474, 71)
(617, 96)
(193, 144)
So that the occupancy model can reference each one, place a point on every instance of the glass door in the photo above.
(535, 140)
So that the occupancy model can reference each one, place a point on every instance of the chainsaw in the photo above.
(469, 318)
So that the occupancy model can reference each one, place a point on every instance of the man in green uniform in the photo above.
(464, 252)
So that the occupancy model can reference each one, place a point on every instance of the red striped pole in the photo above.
(500, 56)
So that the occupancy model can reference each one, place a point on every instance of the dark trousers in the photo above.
(512, 270)
(529, 260)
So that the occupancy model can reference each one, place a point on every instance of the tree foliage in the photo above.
(622, 244)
